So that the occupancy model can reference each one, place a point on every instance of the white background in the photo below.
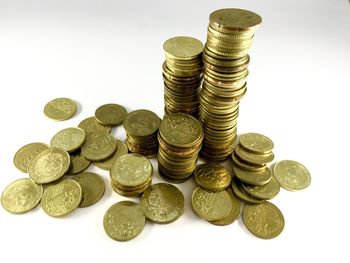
(98, 52)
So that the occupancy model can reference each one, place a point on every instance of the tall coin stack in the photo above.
(229, 38)
(182, 74)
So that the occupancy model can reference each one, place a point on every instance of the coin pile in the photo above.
(141, 128)
(229, 38)
(182, 74)
(131, 174)
(180, 138)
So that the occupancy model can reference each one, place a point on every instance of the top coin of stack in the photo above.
(226, 59)
(182, 74)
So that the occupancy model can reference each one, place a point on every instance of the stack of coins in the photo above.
(229, 38)
(180, 138)
(141, 128)
(182, 74)
(131, 174)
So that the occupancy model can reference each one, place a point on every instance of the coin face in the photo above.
(292, 175)
(263, 220)
(253, 178)
(267, 191)
(60, 109)
(78, 163)
(124, 221)
(110, 114)
(120, 151)
(183, 47)
(141, 123)
(50, 165)
(21, 196)
(93, 188)
(162, 203)
(212, 176)
(61, 199)
(91, 124)
(256, 143)
(131, 170)
(211, 206)
(26, 154)
(69, 139)
(98, 146)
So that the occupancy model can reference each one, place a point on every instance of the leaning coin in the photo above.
(256, 143)
(162, 203)
(98, 146)
(254, 178)
(60, 109)
(93, 188)
(61, 199)
(26, 154)
(267, 191)
(69, 139)
(21, 196)
(91, 124)
(124, 221)
(212, 176)
(120, 151)
(291, 175)
(110, 114)
(78, 163)
(50, 165)
(264, 220)
(241, 194)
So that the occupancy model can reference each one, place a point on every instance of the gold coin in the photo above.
(267, 191)
(183, 47)
(98, 146)
(60, 109)
(211, 206)
(93, 188)
(234, 213)
(212, 176)
(110, 114)
(120, 151)
(50, 165)
(91, 124)
(69, 139)
(264, 220)
(21, 196)
(162, 203)
(61, 199)
(141, 123)
(124, 221)
(256, 143)
(130, 193)
(252, 157)
(253, 178)
(78, 163)
(292, 175)
(246, 166)
(26, 154)
(241, 194)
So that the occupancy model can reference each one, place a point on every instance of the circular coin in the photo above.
(98, 146)
(26, 154)
(252, 157)
(141, 123)
(91, 124)
(183, 47)
(110, 114)
(120, 151)
(124, 221)
(60, 109)
(256, 143)
(69, 139)
(212, 176)
(253, 178)
(267, 191)
(78, 163)
(93, 188)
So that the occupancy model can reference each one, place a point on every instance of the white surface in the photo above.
(97, 52)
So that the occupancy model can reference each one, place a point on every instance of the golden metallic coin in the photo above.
(98, 146)
(110, 114)
(265, 192)
(246, 166)
(61, 199)
(21, 196)
(60, 109)
(292, 175)
(26, 154)
(50, 165)
(264, 220)
(124, 221)
(91, 124)
(93, 188)
(130, 193)
(252, 157)
(162, 203)
(234, 213)
(211, 206)
(78, 163)
(69, 139)
(241, 194)
(256, 143)
(253, 178)
(120, 151)
(141, 123)
(212, 176)
(183, 47)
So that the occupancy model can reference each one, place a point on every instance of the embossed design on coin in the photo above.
(61, 199)
(162, 203)
(212, 176)
(91, 124)
(110, 114)
(256, 143)
(69, 139)
(50, 165)
(21, 196)
(78, 163)
(60, 109)
(93, 188)
(267, 191)
(124, 221)
(120, 151)
(98, 146)
(291, 175)
(26, 154)
(141, 123)
(264, 220)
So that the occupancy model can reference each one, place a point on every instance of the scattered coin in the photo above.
(69, 139)
(98, 146)
(91, 124)
(212, 176)
(264, 192)
(78, 163)
(256, 143)
(110, 114)
(60, 109)
(120, 151)
(26, 154)
(253, 178)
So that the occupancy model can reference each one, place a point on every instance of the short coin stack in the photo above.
(229, 38)
(141, 128)
(180, 138)
(182, 74)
